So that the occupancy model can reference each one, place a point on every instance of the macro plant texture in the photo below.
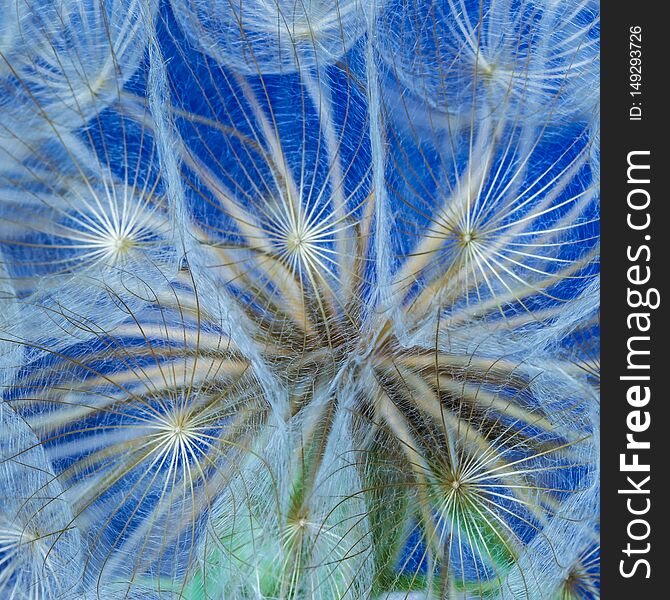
(299, 299)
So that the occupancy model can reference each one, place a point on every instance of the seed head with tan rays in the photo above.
(39, 549)
(136, 422)
(583, 580)
(307, 307)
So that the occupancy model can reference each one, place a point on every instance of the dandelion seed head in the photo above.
(301, 297)
(66, 64)
(583, 579)
(39, 546)
(281, 36)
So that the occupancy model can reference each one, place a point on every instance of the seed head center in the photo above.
(467, 238)
(295, 242)
(120, 243)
